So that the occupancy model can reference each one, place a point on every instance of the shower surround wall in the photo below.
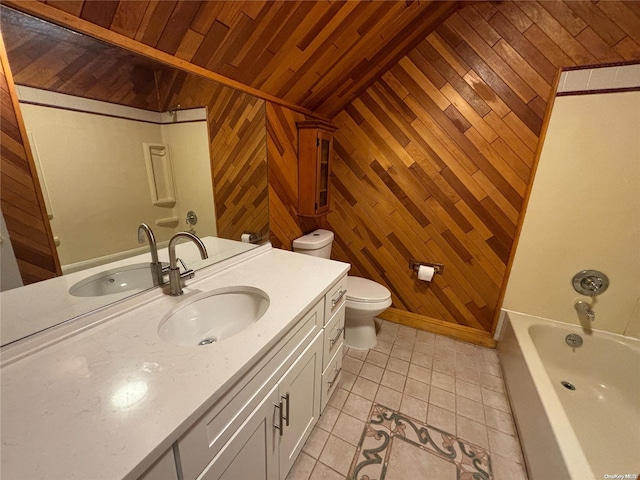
(93, 166)
(584, 213)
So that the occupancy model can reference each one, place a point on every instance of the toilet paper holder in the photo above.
(415, 265)
(252, 237)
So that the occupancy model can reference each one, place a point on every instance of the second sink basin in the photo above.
(213, 316)
(116, 280)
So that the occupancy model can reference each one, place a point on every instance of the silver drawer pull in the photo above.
(279, 425)
(333, 380)
(335, 301)
(286, 415)
(333, 340)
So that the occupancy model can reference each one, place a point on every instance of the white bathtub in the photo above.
(592, 432)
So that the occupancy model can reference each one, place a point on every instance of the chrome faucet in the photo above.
(585, 312)
(175, 287)
(156, 266)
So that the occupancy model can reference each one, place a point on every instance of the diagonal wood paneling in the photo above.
(20, 195)
(282, 148)
(238, 149)
(317, 55)
(433, 160)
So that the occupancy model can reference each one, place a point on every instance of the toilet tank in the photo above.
(317, 243)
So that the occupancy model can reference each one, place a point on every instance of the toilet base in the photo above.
(360, 333)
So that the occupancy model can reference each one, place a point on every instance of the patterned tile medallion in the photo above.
(433, 450)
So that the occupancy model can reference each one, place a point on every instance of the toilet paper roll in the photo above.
(425, 273)
(246, 237)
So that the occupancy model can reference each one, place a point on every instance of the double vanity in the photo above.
(225, 381)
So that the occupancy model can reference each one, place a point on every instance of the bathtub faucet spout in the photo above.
(585, 312)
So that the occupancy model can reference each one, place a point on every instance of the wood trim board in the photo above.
(422, 322)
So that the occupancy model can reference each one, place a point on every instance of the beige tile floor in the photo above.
(451, 385)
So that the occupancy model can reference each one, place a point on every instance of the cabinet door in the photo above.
(299, 390)
(163, 469)
(315, 142)
(252, 453)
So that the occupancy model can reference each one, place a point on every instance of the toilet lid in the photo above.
(364, 290)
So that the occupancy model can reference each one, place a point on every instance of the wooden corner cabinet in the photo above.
(315, 147)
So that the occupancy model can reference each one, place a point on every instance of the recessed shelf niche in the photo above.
(157, 157)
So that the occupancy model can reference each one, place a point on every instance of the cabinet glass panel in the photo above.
(323, 198)
(324, 150)
(323, 185)
(324, 175)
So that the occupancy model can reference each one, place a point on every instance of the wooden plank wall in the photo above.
(239, 166)
(433, 160)
(20, 195)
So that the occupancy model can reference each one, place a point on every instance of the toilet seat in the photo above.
(364, 291)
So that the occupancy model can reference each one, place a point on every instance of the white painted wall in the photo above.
(584, 213)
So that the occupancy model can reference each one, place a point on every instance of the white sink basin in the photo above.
(117, 280)
(213, 316)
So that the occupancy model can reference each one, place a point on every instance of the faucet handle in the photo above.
(585, 312)
(590, 282)
(188, 272)
(182, 263)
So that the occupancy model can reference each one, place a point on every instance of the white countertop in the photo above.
(55, 305)
(108, 400)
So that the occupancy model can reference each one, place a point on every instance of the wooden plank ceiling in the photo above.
(56, 59)
(317, 55)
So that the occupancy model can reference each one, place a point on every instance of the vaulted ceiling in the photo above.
(317, 55)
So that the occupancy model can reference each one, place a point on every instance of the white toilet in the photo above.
(365, 298)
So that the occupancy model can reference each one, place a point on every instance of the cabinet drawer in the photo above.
(333, 335)
(207, 436)
(331, 377)
(335, 298)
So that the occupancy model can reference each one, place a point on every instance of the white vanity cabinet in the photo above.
(270, 439)
(262, 425)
